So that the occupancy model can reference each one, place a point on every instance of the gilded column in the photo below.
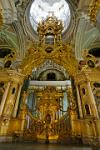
(4, 98)
(79, 102)
(93, 104)
(9, 105)
(17, 101)
(23, 111)
(72, 111)
(53, 119)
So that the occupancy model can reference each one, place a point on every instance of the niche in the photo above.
(83, 91)
(13, 90)
(7, 64)
(87, 109)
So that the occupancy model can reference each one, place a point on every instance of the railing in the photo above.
(39, 128)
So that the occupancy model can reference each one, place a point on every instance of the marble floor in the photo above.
(30, 146)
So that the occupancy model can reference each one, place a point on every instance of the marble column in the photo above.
(4, 98)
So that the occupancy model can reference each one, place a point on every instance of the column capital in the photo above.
(15, 76)
(81, 78)
(11, 75)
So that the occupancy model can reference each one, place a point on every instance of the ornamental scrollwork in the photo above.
(60, 53)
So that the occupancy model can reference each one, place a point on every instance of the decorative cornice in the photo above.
(11, 75)
(87, 75)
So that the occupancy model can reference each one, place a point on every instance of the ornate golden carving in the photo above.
(50, 26)
(33, 59)
(61, 54)
(49, 99)
(93, 9)
(91, 63)
(71, 99)
(88, 56)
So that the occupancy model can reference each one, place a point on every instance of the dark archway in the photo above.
(51, 76)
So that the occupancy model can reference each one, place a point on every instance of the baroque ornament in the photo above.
(93, 10)
(49, 99)
(61, 54)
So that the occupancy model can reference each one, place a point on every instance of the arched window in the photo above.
(87, 109)
(51, 76)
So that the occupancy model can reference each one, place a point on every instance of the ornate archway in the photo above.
(51, 47)
(62, 55)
